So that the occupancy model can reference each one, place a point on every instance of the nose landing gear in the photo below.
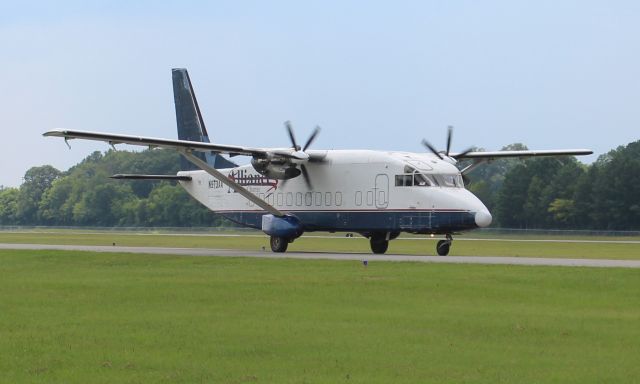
(443, 245)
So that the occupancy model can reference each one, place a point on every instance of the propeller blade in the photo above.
(305, 174)
(287, 125)
(311, 138)
(449, 134)
(432, 149)
(461, 154)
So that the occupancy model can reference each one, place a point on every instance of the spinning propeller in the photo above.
(453, 158)
(300, 152)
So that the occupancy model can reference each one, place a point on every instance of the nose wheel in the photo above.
(443, 246)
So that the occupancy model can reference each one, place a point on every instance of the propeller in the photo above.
(297, 148)
(446, 153)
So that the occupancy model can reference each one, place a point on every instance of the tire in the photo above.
(443, 247)
(279, 244)
(379, 246)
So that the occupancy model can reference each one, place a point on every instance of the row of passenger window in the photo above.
(303, 199)
(317, 199)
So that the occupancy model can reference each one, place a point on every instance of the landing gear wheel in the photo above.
(443, 247)
(379, 246)
(279, 244)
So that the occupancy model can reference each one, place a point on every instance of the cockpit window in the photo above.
(404, 180)
(421, 180)
(451, 181)
(414, 179)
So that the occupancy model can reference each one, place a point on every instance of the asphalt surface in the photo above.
(602, 263)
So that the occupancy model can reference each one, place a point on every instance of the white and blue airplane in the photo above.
(286, 192)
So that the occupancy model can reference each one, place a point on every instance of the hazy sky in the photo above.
(377, 75)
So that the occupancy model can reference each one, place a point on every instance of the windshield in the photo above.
(451, 181)
(413, 178)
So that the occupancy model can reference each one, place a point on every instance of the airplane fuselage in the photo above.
(353, 190)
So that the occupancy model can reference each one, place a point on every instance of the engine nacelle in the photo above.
(275, 169)
(288, 226)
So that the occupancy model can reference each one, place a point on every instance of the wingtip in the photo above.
(53, 132)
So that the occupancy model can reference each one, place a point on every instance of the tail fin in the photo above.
(189, 120)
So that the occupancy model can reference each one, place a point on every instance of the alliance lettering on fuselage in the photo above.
(247, 179)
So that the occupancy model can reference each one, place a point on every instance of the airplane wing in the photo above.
(504, 154)
(184, 147)
(179, 145)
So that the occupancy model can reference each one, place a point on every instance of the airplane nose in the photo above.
(483, 219)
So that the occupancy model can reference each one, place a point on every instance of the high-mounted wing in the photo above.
(184, 147)
(486, 156)
(180, 145)
(504, 154)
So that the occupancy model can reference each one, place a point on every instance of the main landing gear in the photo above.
(279, 244)
(379, 241)
(443, 245)
(379, 246)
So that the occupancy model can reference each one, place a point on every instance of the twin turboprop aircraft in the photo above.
(288, 191)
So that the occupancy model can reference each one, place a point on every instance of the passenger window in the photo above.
(338, 198)
(308, 199)
(280, 198)
(289, 199)
(318, 198)
(327, 198)
(358, 198)
(299, 198)
(369, 197)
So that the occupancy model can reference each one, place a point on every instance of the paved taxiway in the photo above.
(603, 263)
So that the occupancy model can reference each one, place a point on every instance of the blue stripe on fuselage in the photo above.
(369, 221)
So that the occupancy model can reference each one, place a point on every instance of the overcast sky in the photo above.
(374, 75)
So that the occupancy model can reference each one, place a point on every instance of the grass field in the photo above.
(77, 317)
(411, 245)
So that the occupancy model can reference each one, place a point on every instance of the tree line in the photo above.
(546, 193)
(84, 195)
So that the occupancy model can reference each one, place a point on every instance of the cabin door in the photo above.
(381, 191)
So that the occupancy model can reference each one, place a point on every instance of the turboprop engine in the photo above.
(280, 169)
(288, 163)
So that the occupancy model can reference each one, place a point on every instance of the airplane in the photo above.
(288, 191)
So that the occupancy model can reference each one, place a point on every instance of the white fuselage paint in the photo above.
(347, 181)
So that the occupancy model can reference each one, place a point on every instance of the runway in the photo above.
(267, 254)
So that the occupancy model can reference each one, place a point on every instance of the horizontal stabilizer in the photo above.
(151, 177)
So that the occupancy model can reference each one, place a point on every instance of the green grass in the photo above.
(76, 317)
(411, 246)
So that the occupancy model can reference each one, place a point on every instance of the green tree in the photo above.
(616, 189)
(486, 179)
(8, 205)
(36, 181)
